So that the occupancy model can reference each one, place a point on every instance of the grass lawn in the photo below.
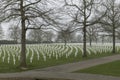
(112, 69)
(5, 67)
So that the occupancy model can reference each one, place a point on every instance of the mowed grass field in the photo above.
(45, 55)
(111, 69)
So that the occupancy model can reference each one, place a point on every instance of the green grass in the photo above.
(5, 67)
(112, 69)
(63, 60)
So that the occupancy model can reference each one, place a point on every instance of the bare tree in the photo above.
(35, 35)
(15, 33)
(27, 13)
(66, 30)
(92, 33)
(82, 13)
(65, 35)
(48, 35)
(40, 36)
(111, 21)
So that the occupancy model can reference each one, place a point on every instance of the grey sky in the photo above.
(5, 27)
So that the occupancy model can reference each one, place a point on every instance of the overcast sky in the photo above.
(5, 27)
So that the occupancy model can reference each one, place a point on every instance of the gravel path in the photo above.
(63, 71)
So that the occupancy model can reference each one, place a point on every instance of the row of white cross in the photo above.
(11, 53)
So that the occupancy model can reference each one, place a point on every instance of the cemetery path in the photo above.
(81, 65)
(33, 75)
(63, 71)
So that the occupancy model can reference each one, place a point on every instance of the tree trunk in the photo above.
(65, 42)
(23, 49)
(102, 39)
(113, 40)
(23, 38)
(84, 42)
(90, 40)
(84, 31)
